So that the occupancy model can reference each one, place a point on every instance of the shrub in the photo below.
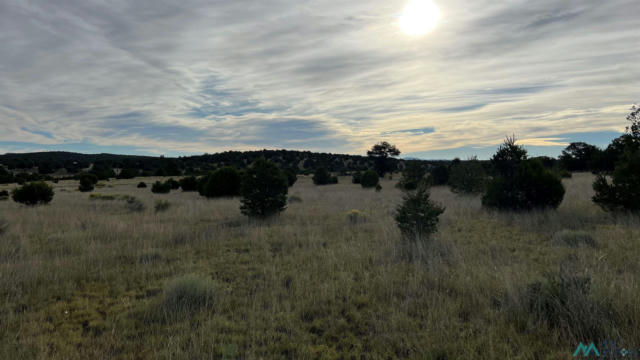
(173, 184)
(292, 176)
(378, 188)
(467, 177)
(530, 187)
(92, 177)
(187, 294)
(33, 193)
(189, 183)
(440, 175)
(142, 185)
(412, 175)
(519, 183)
(4, 195)
(417, 216)
(162, 205)
(86, 184)
(225, 181)
(160, 187)
(562, 301)
(573, 238)
(369, 179)
(264, 190)
(623, 193)
(133, 204)
(322, 177)
(355, 178)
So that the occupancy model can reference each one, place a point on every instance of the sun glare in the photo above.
(419, 17)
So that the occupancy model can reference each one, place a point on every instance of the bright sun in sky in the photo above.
(419, 17)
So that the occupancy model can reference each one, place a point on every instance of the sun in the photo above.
(419, 17)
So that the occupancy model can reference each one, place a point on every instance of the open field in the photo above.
(86, 279)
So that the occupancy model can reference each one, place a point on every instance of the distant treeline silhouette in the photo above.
(26, 167)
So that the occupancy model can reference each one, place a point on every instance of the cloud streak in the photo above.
(194, 76)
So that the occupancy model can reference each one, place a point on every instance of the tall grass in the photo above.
(76, 275)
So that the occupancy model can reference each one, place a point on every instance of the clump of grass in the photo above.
(563, 302)
(356, 216)
(150, 258)
(294, 199)
(573, 238)
(97, 196)
(162, 205)
(188, 294)
(132, 203)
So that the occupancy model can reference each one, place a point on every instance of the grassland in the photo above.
(89, 278)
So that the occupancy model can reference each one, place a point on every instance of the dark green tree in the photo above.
(225, 181)
(33, 193)
(417, 216)
(519, 183)
(579, 156)
(369, 179)
(467, 177)
(264, 190)
(322, 177)
(413, 173)
(440, 175)
(382, 155)
(86, 184)
(160, 187)
(189, 183)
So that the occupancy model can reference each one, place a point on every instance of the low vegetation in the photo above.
(223, 182)
(264, 190)
(160, 187)
(467, 177)
(35, 193)
(369, 179)
(88, 279)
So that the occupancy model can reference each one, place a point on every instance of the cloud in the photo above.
(195, 75)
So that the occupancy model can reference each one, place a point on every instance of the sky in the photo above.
(194, 76)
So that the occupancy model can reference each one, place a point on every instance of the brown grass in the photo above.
(82, 279)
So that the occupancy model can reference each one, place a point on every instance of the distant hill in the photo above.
(60, 164)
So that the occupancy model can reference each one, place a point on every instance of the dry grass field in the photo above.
(89, 278)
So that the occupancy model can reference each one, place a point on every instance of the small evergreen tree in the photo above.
(33, 193)
(467, 177)
(519, 183)
(225, 181)
(623, 192)
(264, 190)
(86, 184)
(412, 175)
(355, 178)
(369, 179)
(189, 183)
(322, 177)
(160, 187)
(440, 175)
(292, 176)
(417, 216)
(173, 184)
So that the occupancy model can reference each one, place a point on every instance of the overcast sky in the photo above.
(194, 76)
